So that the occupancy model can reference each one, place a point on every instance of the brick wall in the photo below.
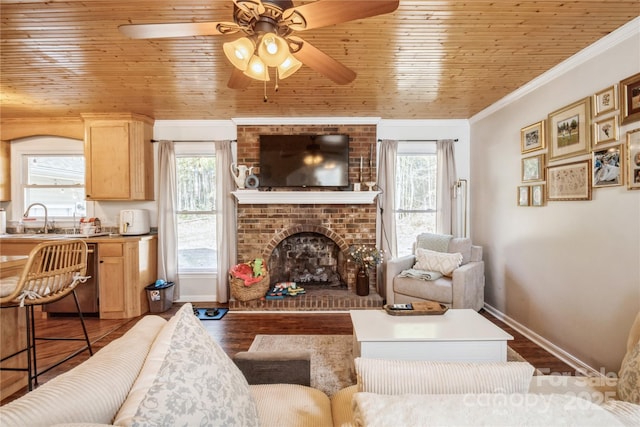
(262, 227)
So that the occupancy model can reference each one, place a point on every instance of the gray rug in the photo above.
(331, 357)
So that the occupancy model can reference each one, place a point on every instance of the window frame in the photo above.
(40, 146)
(414, 148)
(192, 149)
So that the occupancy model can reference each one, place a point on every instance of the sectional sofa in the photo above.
(173, 373)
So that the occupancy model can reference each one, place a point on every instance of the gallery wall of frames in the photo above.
(579, 148)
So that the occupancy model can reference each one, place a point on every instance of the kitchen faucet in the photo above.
(46, 215)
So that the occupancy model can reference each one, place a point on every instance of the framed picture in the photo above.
(605, 101)
(537, 195)
(533, 168)
(570, 130)
(523, 195)
(608, 166)
(571, 181)
(630, 90)
(633, 153)
(605, 130)
(532, 137)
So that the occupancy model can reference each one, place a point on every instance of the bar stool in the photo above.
(52, 272)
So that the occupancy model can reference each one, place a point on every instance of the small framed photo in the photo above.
(532, 137)
(633, 153)
(630, 90)
(608, 166)
(571, 181)
(523, 195)
(533, 168)
(605, 101)
(570, 130)
(537, 195)
(605, 130)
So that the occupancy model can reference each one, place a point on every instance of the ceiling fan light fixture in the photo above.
(289, 66)
(272, 49)
(239, 52)
(257, 69)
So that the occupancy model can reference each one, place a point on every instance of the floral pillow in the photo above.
(188, 379)
(441, 262)
(628, 388)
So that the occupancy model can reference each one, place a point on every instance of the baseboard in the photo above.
(577, 364)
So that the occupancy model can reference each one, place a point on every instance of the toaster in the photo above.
(134, 222)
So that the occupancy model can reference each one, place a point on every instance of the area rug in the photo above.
(331, 357)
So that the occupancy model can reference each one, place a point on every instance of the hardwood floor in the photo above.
(235, 332)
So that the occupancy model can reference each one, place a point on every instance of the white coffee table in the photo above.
(456, 336)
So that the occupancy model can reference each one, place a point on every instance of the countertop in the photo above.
(113, 238)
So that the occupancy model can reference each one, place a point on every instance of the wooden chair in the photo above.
(52, 272)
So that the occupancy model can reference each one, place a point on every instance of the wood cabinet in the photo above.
(5, 171)
(124, 269)
(118, 157)
(125, 266)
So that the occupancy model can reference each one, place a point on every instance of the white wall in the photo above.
(568, 271)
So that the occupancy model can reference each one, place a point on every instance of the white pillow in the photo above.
(188, 379)
(425, 377)
(441, 262)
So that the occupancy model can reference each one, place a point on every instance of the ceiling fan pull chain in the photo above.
(277, 73)
(265, 91)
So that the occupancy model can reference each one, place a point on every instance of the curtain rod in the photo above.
(418, 140)
(192, 140)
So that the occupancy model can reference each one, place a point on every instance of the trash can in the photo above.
(160, 296)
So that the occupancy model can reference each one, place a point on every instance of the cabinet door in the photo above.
(111, 274)
(108, 161)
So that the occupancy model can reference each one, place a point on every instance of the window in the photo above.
(196, 216)
(57, 181)
(416, 175)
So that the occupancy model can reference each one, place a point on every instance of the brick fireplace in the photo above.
(265, 228)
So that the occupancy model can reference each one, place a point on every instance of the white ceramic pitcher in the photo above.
(240, 173)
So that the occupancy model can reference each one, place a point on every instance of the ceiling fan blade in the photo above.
(319, 61)
(322, 13)
(238, 80)
(179, 29)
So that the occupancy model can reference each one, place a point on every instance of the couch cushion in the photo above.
(291, 405)
(629, 376)
(494, 409)
(461, 245)
(439, 290)
(425, 377)
(188, 380)
(341, 406)
(434, 242)
(441, 262)
(93, 391)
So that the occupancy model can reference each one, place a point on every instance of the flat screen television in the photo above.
(304, 161)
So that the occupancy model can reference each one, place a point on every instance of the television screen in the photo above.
(304, 160)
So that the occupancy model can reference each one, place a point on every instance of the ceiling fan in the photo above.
(269, 40)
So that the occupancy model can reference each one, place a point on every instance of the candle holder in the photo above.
(370, 184)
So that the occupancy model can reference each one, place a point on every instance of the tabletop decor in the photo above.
(366, 258)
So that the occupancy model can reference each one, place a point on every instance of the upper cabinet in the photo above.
(5, 172)
(118, 157)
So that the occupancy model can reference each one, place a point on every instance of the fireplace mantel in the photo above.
(258, 197)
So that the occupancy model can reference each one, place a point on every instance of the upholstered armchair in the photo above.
(443, 268)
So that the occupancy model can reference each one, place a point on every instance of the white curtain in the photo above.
(167, 224)
(387, 240)
(446, 222)
(226, 218)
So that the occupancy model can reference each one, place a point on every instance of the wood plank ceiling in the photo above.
(427, 60)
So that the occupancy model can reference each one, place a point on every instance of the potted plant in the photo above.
(366, 257)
